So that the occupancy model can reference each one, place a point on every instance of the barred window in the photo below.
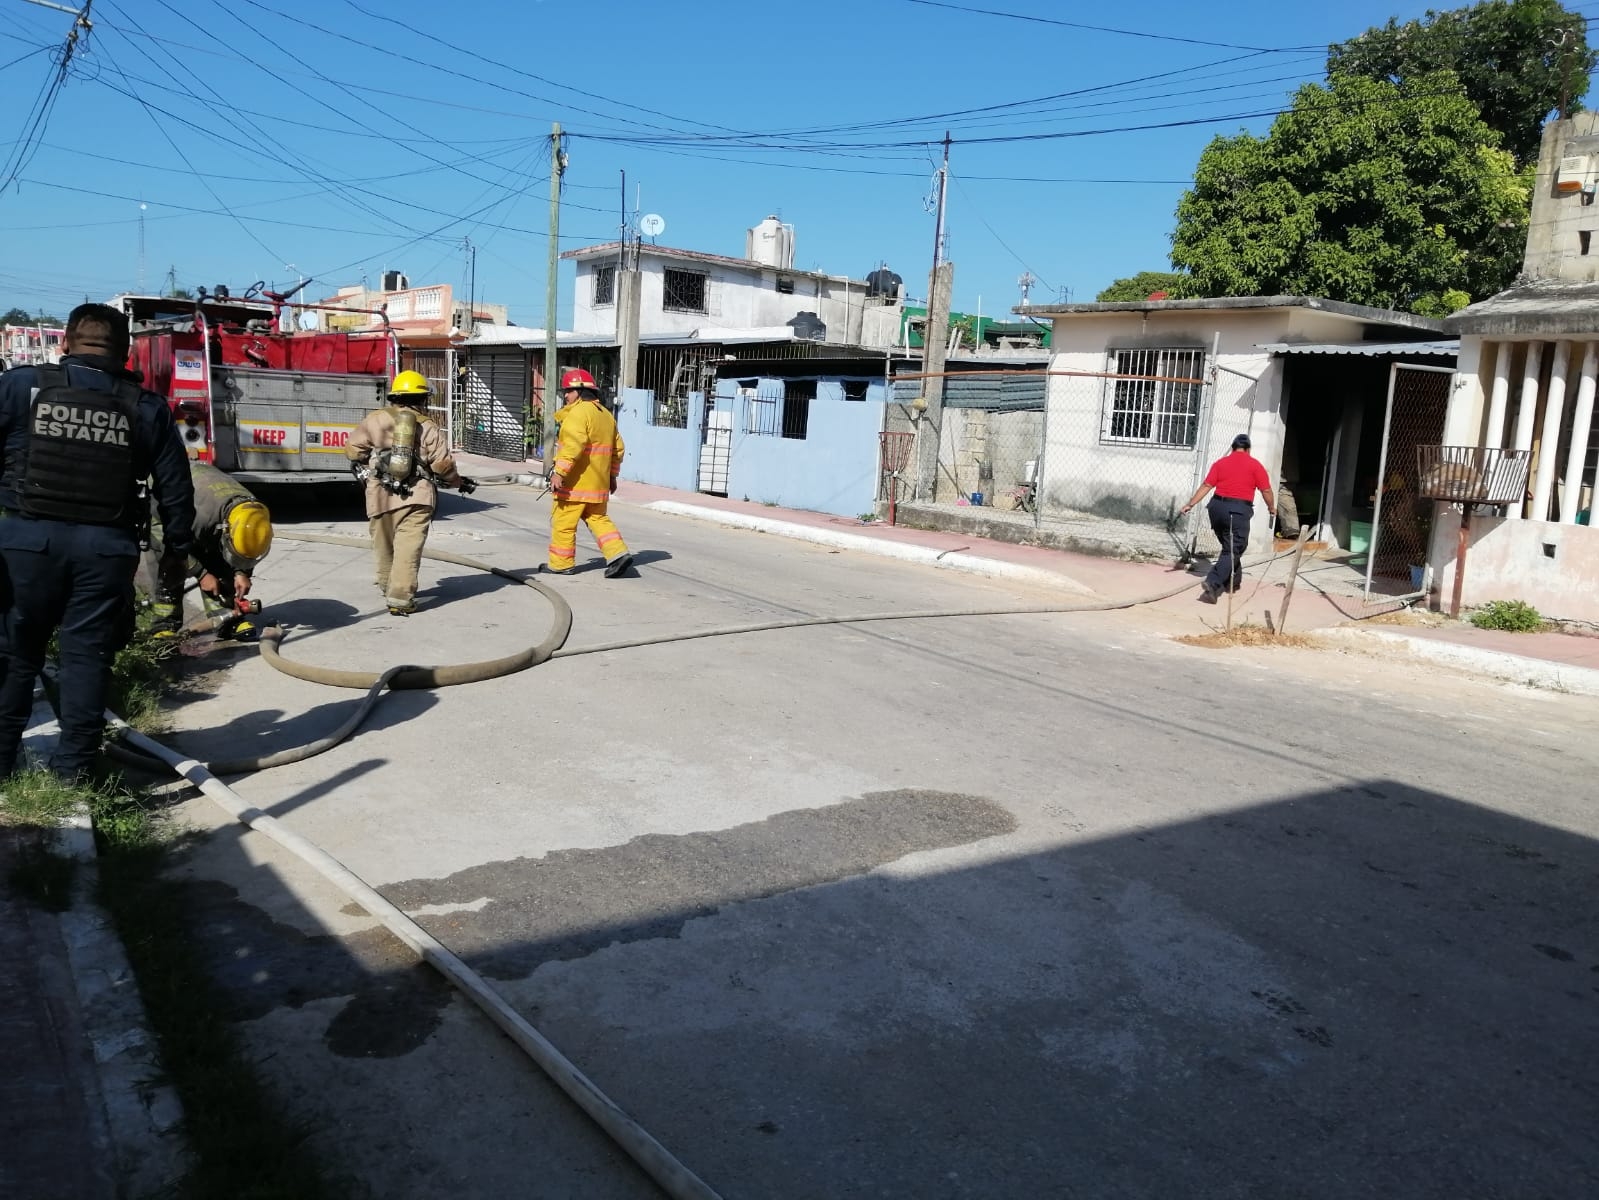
(671, 412)
(683, 291)
(797, 397)
(605, 285)
(1154, 398)
(762, 415)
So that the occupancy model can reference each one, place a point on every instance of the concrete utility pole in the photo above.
(935, 342)
(628, 291)
(552, 366)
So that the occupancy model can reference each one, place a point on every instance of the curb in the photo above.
(969, 564)
(1490, 664)
(143, 1117)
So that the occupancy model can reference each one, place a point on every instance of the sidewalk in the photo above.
(1562, 662)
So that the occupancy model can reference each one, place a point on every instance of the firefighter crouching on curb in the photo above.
(588, 458)
(231, 528)
(402, 455)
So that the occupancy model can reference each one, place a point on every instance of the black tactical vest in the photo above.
(80, 463)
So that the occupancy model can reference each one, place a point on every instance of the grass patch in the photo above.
(1512, 616)
(1248, 635)
(33, 806)
(140, 674)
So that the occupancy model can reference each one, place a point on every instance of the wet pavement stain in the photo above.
(571, 903)
(261, 964)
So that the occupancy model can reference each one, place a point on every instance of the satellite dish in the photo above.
(652, 225)
(308, 320)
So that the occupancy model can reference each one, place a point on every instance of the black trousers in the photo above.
(77, 579)
(1229, 521)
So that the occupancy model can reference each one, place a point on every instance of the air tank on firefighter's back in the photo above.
(771, 243)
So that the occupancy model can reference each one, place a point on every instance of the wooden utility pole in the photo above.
(935, 337)
(551, 297)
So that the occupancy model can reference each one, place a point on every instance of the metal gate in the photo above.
(716, 445)
(494, 411)
(1401, 522)
(437, 367)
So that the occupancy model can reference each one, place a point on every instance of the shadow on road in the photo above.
(1365, 990)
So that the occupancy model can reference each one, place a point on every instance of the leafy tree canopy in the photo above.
(1175, 284)
(1514, 59)
(21, 316)
(1396, 196)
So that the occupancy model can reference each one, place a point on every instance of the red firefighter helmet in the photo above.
(579, 379)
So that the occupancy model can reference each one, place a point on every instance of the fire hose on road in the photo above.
(674, 1179)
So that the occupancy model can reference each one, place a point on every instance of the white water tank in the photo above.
(771, 243)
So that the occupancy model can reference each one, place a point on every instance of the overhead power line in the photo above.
(38, 118)
(1136, 33)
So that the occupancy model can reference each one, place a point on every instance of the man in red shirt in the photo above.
(1236, 478)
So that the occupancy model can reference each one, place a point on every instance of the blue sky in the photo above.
(276, 138)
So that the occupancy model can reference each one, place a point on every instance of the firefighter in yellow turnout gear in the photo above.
(588, 459)
(402, 456)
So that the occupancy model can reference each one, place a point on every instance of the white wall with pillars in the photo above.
(1537, 396)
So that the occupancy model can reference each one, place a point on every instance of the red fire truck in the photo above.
(264, 403)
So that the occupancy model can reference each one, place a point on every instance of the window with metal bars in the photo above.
(605, 285)
(797, 397)
(683, 291)
(762, 414)
(1154, 398)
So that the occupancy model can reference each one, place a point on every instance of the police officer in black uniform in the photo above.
(77, 443)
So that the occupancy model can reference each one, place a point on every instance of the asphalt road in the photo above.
(986, 907)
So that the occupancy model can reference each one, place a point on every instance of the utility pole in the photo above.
(141, 247)
(935, 345)
(551, 365)
(626, 295)
(471, 290)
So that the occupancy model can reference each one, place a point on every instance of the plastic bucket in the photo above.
(977, 498)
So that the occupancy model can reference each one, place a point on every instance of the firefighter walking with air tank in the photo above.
(588, 458)
(402, 456)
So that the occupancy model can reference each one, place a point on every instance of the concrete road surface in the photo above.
(1016, 906)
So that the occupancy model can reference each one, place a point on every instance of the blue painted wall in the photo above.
(833, 469)
(658, 454)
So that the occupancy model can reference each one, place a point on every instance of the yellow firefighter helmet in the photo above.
(410, 387)
(249, 530)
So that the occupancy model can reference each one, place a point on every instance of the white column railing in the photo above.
(1527, 412)
(1499, 396)
(1549, 443)
(1581, 423)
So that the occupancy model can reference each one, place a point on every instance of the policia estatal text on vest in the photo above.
(78, 444)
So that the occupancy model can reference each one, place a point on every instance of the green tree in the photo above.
(1175, 284)
(1365, 191)
(21, 316)
(180, 293)
(1516, 60)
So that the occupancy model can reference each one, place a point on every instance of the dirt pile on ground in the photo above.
(1248, 635)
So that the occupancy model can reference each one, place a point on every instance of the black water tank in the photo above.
(808, 327)
(883, 282)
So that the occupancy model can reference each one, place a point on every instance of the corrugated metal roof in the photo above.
(1447, 348)
(993, 393)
